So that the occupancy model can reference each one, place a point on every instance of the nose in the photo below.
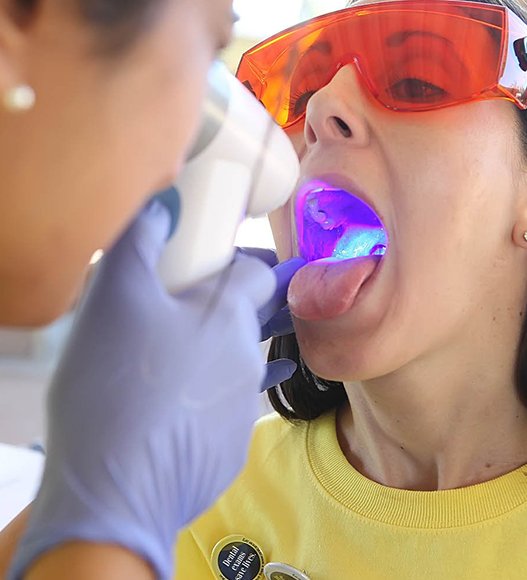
(337, 112)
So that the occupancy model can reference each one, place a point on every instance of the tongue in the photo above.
(325, 289)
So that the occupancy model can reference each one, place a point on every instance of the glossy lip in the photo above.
(309, 183)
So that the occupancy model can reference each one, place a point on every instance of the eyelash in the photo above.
(296, 97)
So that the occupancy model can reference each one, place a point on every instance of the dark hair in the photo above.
(118, 22)
(306, 396)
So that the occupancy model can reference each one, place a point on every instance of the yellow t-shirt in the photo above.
(303, 504)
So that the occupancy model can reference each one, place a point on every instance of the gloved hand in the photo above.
(151, 409)
(275, 318)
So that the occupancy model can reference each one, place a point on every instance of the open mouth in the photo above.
(333, 223)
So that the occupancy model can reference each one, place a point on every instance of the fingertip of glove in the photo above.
(148, 233)
(157, 211)
(267, 255)
(155, 222)
(290, 266)
(171, 200)
(296, 261)
(278, 371)
(289, 367)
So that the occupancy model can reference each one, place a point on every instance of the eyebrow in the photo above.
(401, 37)
(322, 47)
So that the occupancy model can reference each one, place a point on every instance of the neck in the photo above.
(438, 425)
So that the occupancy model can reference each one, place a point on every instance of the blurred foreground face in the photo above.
(107, 131)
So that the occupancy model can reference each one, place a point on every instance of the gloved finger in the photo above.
(265, 254)
(278, 371)
(145, 239)
(253, 278)
(171, 199)
(283, 272)
(279, 325)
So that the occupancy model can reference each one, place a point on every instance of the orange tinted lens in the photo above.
(420, 60)
(412, 56)
(283, 74)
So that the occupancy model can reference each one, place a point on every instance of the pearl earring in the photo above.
(525, 236)
(19, 99)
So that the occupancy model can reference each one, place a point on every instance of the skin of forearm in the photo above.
(79, 560)
(85, 561)
(9, 538)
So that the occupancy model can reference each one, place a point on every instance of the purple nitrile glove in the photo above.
(275, 318)
(151, 409)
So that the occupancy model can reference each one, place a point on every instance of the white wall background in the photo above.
(259, 19)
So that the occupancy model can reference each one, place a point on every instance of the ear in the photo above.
(519, 233)
(519, 230)
(15, 20)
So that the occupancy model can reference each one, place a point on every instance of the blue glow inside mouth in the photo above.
(332, 223)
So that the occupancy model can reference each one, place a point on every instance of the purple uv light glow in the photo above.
(332, 223)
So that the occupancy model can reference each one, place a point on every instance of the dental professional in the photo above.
(152, 405)
(403, 455)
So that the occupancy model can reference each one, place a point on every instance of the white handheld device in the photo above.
(242, 165)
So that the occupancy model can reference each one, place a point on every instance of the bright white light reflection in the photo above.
(96, 257)
(260, 19)
(255, 233)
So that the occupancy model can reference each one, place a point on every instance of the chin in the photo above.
(344, 359)
(329, 361)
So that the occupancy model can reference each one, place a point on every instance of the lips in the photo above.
(343, 240)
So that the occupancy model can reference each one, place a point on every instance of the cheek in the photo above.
(281, 225)
(171, 109)
(158, 97)
(281, 220)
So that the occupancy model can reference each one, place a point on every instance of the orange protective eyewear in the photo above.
(411, 55)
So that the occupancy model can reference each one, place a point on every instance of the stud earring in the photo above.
(525, 236)
(20, 99)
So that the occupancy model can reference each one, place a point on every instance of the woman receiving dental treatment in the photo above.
(399, 450)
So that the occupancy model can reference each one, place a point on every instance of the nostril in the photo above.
(342, 127)
(310, 135)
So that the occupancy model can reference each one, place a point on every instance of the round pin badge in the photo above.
(237, 557)
(279, 571)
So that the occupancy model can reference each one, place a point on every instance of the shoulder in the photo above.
(273, 433)
(279, 448)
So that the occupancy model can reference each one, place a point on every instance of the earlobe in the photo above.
(519, 230)
(19, 99)
(519, 234)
